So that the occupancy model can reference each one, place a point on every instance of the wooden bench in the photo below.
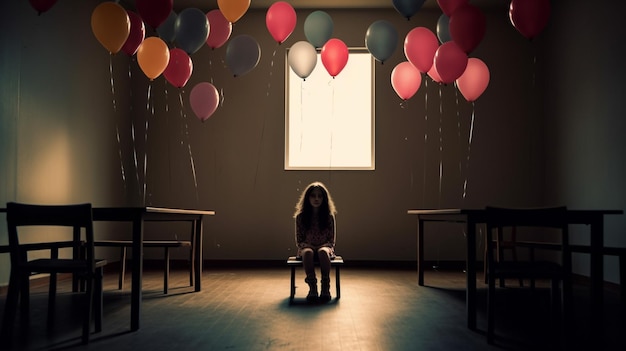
(165, 244)
(294, 262)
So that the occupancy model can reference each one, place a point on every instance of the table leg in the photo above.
(137, 268)
(470, 292)
(198, 255)
(420, 251)
(597, 278)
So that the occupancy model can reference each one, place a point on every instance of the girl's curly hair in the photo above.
(303, 206)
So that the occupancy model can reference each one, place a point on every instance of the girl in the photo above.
(315, 236)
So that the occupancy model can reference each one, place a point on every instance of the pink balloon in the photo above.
(434, 75)
(280, 21)
(448, 6)
(137, 34)
(405, 80)
(467, 27)
(450, 62)
(529, 17)
(473, 82)
(204, 100)
(179, 68)
(220, 29)
(154, 12)
(334, 56)
(420, 45)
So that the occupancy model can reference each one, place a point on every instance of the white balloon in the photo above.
(302, 58)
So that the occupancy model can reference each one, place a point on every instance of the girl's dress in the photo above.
(317, 236)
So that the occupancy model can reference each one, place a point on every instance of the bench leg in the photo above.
(337, 282)
(293, 283)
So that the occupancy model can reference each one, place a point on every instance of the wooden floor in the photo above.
(248, 309)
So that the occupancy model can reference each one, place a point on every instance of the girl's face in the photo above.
(316, 198)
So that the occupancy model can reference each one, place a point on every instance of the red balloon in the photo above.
(179, 68)
(467, 27)
(473, 82)
(42, 5)
(434, 75)
(529, 17)
(448, 6)
(136, 35)
(220, 29)
(154, 12)
(420, 45)
(450, 62)
(406, 80)
(334, 56)
(280, 21)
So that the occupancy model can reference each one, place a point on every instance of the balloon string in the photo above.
(112, 83)
(119, 145)
(425, 143)
(469, 147)
(332, 127)
(301, 113)
(191, 161)
(440, 144)
(150, 108)
(458, 126)
(269, 81)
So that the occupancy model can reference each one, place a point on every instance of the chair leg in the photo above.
(10, 309)
(166, 273)
(88, 308)
(98, 299)
(191, 268)
(491, 310)
(120, 283)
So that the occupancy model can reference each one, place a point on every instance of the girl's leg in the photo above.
(309, 269)
(324, 258)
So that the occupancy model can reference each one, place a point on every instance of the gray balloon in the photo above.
(167, 30)
(242, 54)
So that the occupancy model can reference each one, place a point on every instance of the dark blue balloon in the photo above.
(192, 29)
(408, 7)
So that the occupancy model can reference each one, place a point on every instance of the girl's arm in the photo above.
(300, 236)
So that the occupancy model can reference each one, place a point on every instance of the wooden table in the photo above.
(473, 217)
(139, 215)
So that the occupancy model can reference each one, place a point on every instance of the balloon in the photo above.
(154, 12)
(529, 17)
(302, 58)
(434, 75)
(220, 29)
(443, 28)
(381, 40)
(280, 21)
(111, 25)
(153, 57)
(318, 28)
(405, 80)
(136, 36)
(467, 27)
(473, 82)
(179, 68)
(448, 6)
(450, 62)
(42, 5)
(242, 54)
(334, 56)
(408, 7)
(192, 29)
(167, 29)
(233, 10)
(420, 45)
(204, 100)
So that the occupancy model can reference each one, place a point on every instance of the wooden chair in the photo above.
(501, 243)
(82, 264)
(166, 245)
(532, 268)
(294, 262)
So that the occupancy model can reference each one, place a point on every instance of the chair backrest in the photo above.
(544, 217)
(76, 216)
